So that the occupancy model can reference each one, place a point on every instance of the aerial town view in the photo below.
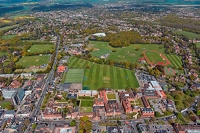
(99, 66)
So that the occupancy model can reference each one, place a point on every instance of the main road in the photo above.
(46, 85)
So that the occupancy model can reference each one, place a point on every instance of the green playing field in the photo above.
(104, 76)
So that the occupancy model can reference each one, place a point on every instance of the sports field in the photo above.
(7, 37)
(175, 60)
(129, 53)
(154, 58)
(28, 61)
(74, 76)
(41, 48)
(190, 35)
(100, 53)
(104, 76)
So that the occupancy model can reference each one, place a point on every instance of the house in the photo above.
(61, 69)
(146, 112)
(51, 116)
(142, 60)
(89, 93)
(98, 102)
(8, 114)
(145, 102)
(127, 106)
(15, 84)
(186, 128)
(96, 115)
(3, 58)
(103, 95)
(126, 95)
(112, 108)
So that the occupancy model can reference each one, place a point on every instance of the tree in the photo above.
(9, 107)
(72, 123)
(85, 124)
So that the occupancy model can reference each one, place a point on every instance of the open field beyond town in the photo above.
(41, 48)
(2, 54)
(7, 37)
(8, 27)
(28, 61)
(198, 45)
(190, 35)
(103, 76)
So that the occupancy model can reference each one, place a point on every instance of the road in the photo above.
(48, 80)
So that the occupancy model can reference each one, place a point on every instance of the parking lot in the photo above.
(155, 128)
(157, 105)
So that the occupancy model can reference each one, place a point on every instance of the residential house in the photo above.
(147, 112)
(61, 69)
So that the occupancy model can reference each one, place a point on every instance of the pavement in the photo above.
(48, 80)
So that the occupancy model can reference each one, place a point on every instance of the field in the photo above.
(88, 103)
(7, 37)
(100, 52)
(175, 60)
(74, 76)
(39, 48)
(8, 27)
(129, 54)
(198, 45)
(4, 104)
(28, 61)
(190, 35)
(104, 76)
(2, 54)
(86, 109)
(155, 58)
(111, 96)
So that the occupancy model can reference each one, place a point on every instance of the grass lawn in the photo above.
(111, 96)
(129, 53)
(74, 76)
(4, 104)
(88, 103)
(175, 60)
(85, 98)
(28, 61)
(104, 76)
(190, 35)
(39, 48)
(86, 109)
(137, 102)
(100, 52)
(2, 54)
(7, 37)
(198, 45)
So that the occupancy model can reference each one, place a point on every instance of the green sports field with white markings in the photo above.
(103, 76)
